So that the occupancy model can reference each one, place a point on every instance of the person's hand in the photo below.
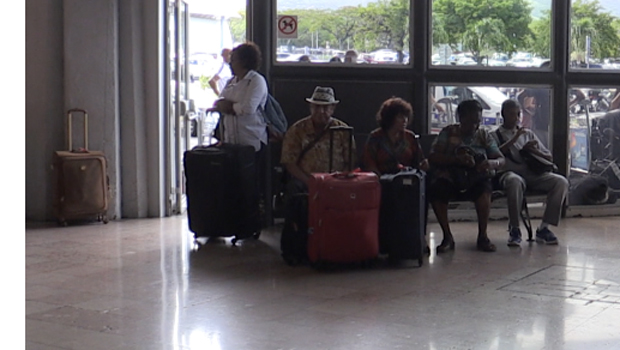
(484, 166)
(520, 132)
(466, 159)
(224, 106)
(424, 165)
(531, 145)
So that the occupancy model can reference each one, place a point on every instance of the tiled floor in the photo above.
(142, 284)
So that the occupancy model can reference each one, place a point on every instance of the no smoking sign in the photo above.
(287, 27)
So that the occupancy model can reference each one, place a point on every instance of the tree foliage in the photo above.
(480, 26)
(541, 32)
(588, 19)
(463, 20)
(238, 28)
(381, 24)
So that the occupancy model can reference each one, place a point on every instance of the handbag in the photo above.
(537, 164)
(464, 177)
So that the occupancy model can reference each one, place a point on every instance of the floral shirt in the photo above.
(316, 159)
(449, 139)
(382, 154)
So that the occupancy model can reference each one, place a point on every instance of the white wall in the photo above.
(45, 110)
(91, 79)
(74, 59)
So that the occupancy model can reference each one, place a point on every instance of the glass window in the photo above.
(594, 143)
(595, 34)
(353, 32)
(535, 106)
(213, 27)
(491, 33)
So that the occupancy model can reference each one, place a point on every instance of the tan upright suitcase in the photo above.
(81, 180)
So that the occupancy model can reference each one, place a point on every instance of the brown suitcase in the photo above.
(81, 180)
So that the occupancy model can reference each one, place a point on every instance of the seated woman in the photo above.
(392, 146)
(388, 149)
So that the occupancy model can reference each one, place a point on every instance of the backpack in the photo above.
(275, 119)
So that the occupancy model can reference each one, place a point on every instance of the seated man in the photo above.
(517, 177)
(447, 163)
(305, 150)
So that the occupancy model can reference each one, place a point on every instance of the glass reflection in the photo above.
(594, 143)
(535, 103)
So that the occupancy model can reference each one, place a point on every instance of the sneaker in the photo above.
(514, 239)
(546, 236)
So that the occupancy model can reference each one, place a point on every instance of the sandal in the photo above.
(485, 245)
(445, 245)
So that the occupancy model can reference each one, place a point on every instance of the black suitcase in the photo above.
(294, 238)
(402, 217)
(222, 194)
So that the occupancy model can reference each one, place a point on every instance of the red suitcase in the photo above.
(343, 218)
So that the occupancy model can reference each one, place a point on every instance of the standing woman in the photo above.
(242, 98)
(240, 105)
(391, 145)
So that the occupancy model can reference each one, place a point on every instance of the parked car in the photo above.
(384, 56)
(293, 57)
(520, 62)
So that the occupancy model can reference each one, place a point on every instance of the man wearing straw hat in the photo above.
(305, 150)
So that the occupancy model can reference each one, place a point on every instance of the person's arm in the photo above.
(439, 157)
(256, 92)
(224, 106)
(495, 159)
(536, 147)
(297, 173)
(505, 147)
(419, 157)
(213, 84)
(615, 103)
(291, 149)
(369, 157)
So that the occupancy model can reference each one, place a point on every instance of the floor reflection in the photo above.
(145, 284)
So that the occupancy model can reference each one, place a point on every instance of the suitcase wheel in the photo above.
(103, 218)
(420, 262)
(62, 222)
(256, 235)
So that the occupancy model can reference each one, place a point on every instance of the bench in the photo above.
(498, 197)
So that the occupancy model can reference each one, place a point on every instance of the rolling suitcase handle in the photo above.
(70, 131)
(332, 131)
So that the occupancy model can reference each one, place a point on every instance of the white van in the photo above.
(447, 99)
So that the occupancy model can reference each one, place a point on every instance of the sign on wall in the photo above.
(287, 27)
